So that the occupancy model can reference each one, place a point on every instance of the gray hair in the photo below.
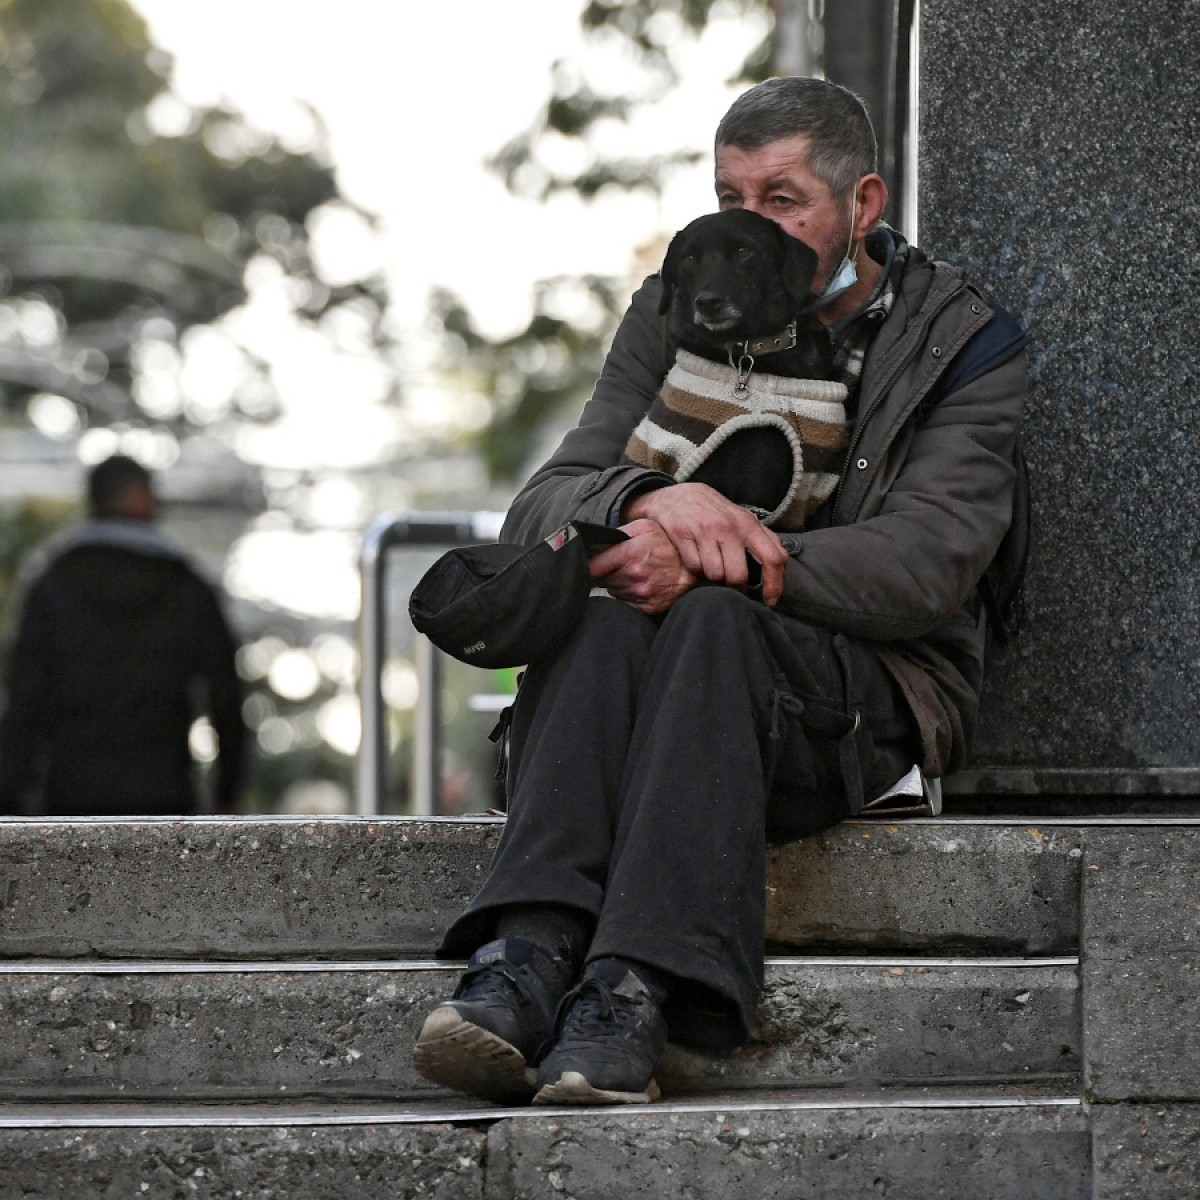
(843, 143)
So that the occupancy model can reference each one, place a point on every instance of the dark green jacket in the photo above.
(924, 500)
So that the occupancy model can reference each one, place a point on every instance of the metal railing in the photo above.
(428, 530)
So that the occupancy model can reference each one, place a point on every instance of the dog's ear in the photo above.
(669, 275)
(800, 262)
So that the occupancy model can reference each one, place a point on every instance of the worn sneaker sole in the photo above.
(450, 1050)
(572, 1088)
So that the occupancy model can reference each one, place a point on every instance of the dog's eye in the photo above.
(744, 252)
(688, 260)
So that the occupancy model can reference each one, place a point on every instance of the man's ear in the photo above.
(872, 200)
(798, 265)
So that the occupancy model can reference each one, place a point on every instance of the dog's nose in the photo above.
(709, 304)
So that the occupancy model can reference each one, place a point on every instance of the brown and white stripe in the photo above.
(698, 408)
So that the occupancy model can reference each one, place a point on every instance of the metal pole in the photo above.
(388, 532)
(427, 732)
(910, 208)
(373, 743)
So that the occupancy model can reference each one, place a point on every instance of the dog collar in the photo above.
(742, 355)
(784, 340)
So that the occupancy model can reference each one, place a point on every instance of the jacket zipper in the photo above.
(861, 424)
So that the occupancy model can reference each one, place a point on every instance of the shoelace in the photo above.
(592, 1008)
(495, 983)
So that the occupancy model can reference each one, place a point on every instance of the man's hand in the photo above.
(710, 536)
(645, 571)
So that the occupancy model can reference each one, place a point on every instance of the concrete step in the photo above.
(270, 1030)
(363, 889)
(1002, 1144)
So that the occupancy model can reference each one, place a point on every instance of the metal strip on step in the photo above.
(272, 967)
(439, 1114)
(167, 966)
(256, 820)
(952, 962)
(1038, 822)
(476, 819)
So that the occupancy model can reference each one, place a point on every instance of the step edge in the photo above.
(482, 820)
(219, 1116)
(119, 966)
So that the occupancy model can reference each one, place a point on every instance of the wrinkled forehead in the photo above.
(781, 163)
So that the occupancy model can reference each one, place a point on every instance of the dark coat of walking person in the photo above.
(121, 646)
(689, 718)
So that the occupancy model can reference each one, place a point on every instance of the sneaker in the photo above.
(610, 1035)
(488, 1039)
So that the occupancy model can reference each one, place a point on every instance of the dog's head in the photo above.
(733, 275)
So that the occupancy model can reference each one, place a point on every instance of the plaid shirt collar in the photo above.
(852, 336)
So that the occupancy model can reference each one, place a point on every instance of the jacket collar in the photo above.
(122, 533)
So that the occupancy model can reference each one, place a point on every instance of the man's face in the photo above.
(775, 181)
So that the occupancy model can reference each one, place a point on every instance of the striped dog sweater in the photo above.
(700, 407)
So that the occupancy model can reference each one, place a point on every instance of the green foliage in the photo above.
(536, 372)
(76, 78)
(652, 25)
(526, 395)
(123, 231)
(646, 30)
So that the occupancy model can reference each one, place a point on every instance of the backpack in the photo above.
(1002, 588)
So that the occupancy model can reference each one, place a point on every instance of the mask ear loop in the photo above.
(853, 214)
(847, 261)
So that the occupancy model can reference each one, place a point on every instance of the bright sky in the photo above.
(415, 96)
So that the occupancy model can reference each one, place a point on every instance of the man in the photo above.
(651, 759)
(119, 643)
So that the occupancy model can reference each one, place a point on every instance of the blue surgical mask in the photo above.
(845, 277)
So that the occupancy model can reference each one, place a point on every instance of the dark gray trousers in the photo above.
(651, 760)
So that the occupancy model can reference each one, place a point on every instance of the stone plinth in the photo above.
(1058, 157)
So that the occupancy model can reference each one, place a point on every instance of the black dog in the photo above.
(734, 277)
(735, 291)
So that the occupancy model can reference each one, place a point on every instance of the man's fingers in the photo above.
(613, 558)
(772, 582)
(608, 560)
(646, 571)
(769, 552)
(709, 538)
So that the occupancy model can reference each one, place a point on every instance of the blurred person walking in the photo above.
(120, 647)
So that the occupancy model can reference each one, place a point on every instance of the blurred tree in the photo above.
(531, 377)
(527, 377)
(127, 218)
(862, 44)
(133, 226)
(649, 32)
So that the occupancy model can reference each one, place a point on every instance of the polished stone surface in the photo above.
(1059, 157)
